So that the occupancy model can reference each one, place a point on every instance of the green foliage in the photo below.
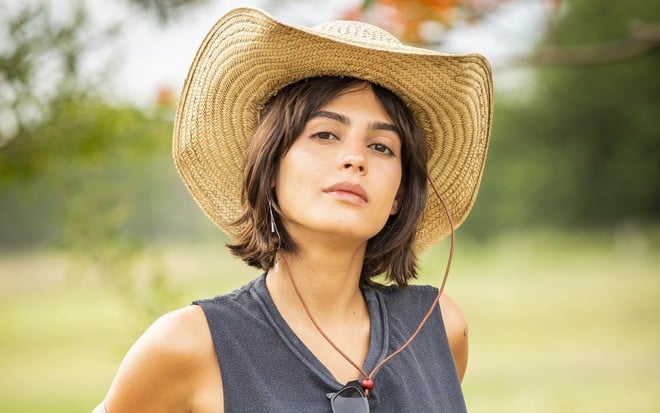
(40, 62)
(76, 171)
(166, 10)
(42, 46)
(84, 178)
(584, 151)
(85, 150)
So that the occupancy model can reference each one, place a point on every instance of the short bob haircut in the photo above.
(281, 121)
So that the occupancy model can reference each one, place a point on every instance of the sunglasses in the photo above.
(350, 399)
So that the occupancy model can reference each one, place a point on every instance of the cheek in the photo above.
(394, 177)
(294, 172)
(389, 189)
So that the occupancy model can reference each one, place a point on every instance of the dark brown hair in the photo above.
(281, 121)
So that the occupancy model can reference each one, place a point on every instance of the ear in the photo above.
(397, 201)
(395, 207)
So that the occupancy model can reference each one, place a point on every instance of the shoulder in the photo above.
(180, 328)
(178, 336)
(165, 366)
(456, 326)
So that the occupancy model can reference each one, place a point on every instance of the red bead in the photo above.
(367, 384)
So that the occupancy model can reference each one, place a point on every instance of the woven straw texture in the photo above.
(248, 56)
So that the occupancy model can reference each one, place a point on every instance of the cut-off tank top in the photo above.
(266, 368)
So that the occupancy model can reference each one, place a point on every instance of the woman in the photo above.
(314, 149)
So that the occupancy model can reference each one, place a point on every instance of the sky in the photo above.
(153, 56)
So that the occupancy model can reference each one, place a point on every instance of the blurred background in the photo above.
(557, 268)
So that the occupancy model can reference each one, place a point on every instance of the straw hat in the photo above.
(248, 56)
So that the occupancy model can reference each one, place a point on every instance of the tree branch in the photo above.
(644, 38)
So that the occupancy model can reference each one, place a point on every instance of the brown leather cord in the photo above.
(419, 327)
(316, 325)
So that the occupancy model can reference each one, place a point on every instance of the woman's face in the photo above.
(341, 176)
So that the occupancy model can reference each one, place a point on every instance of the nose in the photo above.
(354, 160)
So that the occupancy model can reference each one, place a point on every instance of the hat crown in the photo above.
(356, 31)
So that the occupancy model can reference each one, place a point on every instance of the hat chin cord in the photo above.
(367, 381)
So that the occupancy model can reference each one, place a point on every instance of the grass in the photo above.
(558, 323)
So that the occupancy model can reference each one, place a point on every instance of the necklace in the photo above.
(367, 381)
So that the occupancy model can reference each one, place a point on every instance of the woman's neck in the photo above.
(329, 284)
(328, 279)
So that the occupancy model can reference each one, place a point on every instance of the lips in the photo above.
(349, 190)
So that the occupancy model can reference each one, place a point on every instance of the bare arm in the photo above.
(457, 333)
(171, 368)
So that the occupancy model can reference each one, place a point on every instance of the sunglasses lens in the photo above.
(350, 400)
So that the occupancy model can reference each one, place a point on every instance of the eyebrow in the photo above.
(345, 121)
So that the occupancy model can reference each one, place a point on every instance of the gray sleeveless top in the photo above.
(266, 368)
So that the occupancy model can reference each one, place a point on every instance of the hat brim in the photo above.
(248, 56)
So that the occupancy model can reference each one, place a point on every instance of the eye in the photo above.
(384, 149)
(324, 136)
